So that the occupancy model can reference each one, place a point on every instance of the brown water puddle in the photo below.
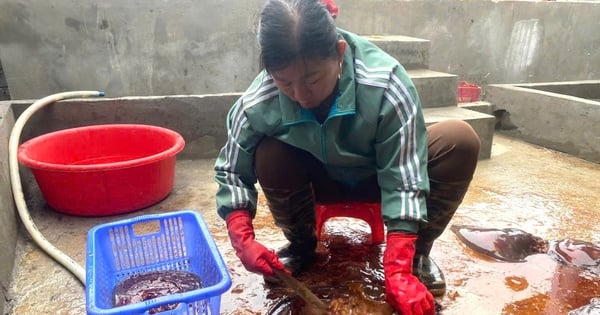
(349, 266)
(537, 286)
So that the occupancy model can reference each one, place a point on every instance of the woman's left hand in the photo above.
(404, 291)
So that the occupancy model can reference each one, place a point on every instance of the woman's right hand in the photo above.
(253, 255)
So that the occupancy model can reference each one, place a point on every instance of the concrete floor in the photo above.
(546, 193)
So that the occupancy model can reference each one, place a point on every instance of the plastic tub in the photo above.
(177, 240)
(103, 169)
(468, 92)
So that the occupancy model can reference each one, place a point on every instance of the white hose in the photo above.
(17, 189)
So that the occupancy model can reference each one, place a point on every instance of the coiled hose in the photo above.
(17, 189)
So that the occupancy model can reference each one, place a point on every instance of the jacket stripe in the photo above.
(235, 185)
(377, 77)
(234, 182)
(413, 114)
(408, 159)
(406, 110)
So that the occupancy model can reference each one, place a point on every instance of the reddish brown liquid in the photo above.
(150, 285)
(348, 276)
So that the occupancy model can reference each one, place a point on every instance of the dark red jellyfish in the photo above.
(514, 245)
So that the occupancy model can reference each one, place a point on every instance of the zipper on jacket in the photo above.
(323, 142)
(324, 128)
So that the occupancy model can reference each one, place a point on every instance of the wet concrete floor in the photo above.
(548, 194)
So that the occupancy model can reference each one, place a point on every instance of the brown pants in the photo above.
(453, 148)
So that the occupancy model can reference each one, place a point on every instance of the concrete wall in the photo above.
(8, 222)
(492, 42)
(140, 47)
(155, 47)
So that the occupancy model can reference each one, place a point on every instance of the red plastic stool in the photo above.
(369, 212)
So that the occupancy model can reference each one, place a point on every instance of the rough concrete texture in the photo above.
(517, 187)
(491, 41)
(8, 232)
(128, 48)
(562, 122)
(190, 47)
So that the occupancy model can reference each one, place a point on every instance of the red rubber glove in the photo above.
(254, 256)
(404, 291)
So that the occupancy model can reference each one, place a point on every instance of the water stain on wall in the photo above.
(522, 50)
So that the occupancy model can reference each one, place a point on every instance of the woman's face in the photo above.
(309, 82)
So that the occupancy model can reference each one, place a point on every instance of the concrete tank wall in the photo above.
(179, 47)
(542, 115)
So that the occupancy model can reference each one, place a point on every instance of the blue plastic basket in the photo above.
(172, 241)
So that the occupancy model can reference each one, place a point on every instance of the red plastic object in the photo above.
(468, 92)
(103, 169)
(368, 212)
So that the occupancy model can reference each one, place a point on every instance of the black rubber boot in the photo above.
(442, 202)
(430, 274)
(293, 211)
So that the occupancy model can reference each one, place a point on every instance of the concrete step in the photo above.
(482, 123)
(479, 106)
(436, 89)
(413, 53)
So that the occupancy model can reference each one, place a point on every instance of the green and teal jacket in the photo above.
(375, 127)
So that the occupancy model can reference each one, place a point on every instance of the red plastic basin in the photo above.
(103, 169)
